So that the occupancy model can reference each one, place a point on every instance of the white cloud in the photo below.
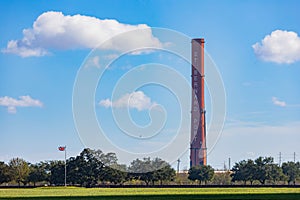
(23, 101)
(137, 100)
(54, 30)
(93, 62)
(106, 103)
(16, 47)
(279, 47)
(278, 102)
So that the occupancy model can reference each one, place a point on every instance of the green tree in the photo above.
(4, 173)
(201, 173)
(166, 173)
(38, 173)
(292, 171)
(73, 172)
(115, 174)
(149, 171)
(57, 172)
(142, 170)
(263, 169)
(108, 159)
(275, 173)
(244, 171)
(19, 170)
(89, 166)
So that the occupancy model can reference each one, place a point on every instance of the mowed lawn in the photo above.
(56, 193)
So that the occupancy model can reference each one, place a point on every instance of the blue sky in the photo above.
(37, 75)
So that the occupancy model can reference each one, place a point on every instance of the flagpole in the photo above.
(65, 166)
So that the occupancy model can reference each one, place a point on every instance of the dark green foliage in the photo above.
(38, 173)
(85, 169)
(166, 173)
(292, 171)
(19, 170)
(275, 173)
(201, 173)
(262, 170)
(114, 174)
(93, 167)
(149, 171)
(57, 172)
(244, 171)
(4, 173)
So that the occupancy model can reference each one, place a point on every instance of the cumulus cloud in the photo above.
(277, 102)
(137, 100)
(23, 101)
(279, 47)
(54, 30)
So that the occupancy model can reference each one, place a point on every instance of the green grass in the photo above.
(56, 193)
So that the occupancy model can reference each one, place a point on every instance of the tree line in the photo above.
(262, 171)
(265, 170)
(93, 167)
(90, 168)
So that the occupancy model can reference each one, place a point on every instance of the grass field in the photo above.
(56, 193)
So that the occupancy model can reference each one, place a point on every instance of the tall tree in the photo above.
(244, 171)
(114, 174)
(166, 173)
(263, 169)
(108, 159)
(4, 173)
(149, 171)
(162, 171)
(57, 172)
(292, 171)
(142, 170)
(73, 172)
(201, 173)
(38, 173)
(275, 173)
(89, 167)
(19, 170)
